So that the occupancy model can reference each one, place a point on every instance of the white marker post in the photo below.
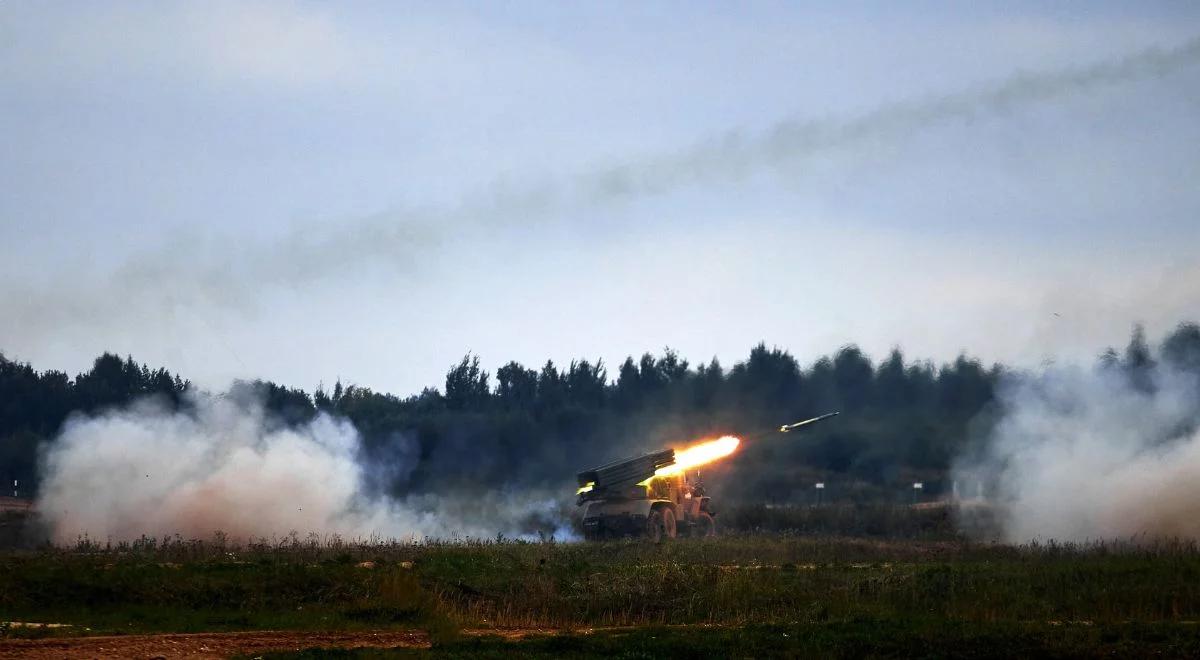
(917, 487)
(820, 486)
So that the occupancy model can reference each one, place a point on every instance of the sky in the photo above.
(365, 191)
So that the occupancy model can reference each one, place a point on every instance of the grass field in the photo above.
(761, 594)
(859, 639)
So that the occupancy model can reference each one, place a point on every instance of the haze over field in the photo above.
(217, 190)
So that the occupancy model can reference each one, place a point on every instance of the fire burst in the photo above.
(687, 459)
(700, 454)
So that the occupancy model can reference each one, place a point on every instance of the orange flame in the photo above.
(697, 455)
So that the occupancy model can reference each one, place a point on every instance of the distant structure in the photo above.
(15, 505)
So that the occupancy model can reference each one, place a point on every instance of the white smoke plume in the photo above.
(1094, 455)
(223, 465)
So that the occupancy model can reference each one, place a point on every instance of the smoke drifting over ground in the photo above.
(1081, 455)
(222, 464)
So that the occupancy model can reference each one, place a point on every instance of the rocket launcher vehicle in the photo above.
(652, 495)
(616, 478)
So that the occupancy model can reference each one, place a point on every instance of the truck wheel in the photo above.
(654, 526)
(704, 526)
(669, 527)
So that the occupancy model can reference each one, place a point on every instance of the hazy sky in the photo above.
(308, 191)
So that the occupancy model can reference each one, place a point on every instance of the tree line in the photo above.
(529, 427)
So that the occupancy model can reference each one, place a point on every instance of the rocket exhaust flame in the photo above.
(686, 459)
(699, 454)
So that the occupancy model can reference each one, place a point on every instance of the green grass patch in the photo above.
(732, 581)
(112, 592)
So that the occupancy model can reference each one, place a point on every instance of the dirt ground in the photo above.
(202, 645)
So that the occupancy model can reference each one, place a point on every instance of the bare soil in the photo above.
(203, 645)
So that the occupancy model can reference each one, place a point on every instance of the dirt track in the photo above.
(202, 645)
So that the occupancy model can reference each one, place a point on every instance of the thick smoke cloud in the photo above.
(1094, 455)
(213, 272)
(222, 464)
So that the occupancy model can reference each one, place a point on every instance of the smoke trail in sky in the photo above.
(731, 155)
(211, 271)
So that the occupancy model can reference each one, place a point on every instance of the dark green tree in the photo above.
(516, 387)
(467, 385)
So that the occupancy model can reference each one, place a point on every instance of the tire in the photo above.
(669, 526)
(705, 526)
(654, 526)
(660, 524)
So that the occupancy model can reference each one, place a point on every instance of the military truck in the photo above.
(625, 498)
